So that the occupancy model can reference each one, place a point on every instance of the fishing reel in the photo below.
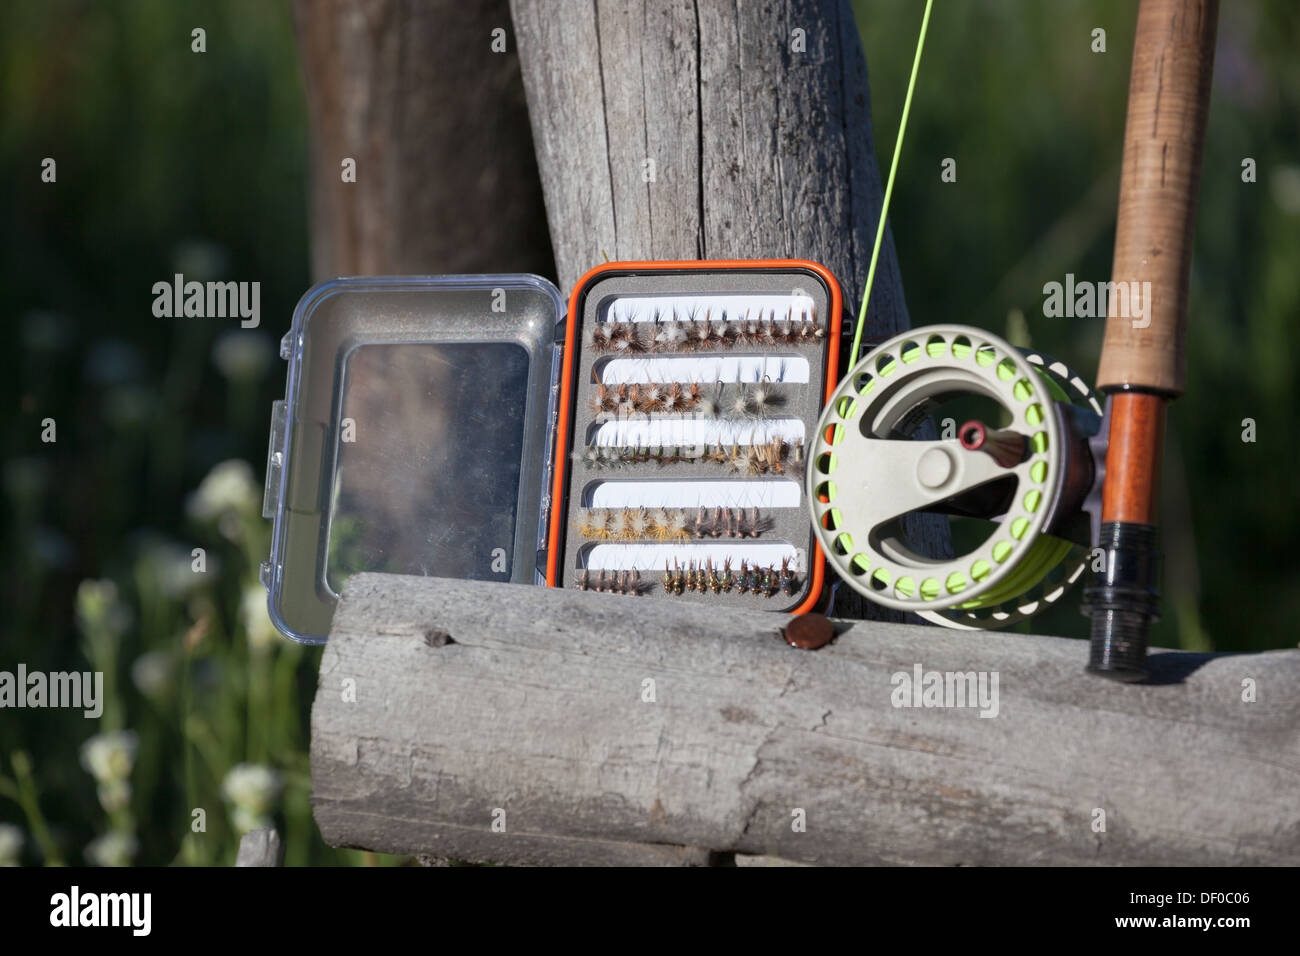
(949, 422)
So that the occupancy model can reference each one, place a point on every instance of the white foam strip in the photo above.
(717, 493)
(690, 432)
(651, 557)
(638, 308)
(708, 368)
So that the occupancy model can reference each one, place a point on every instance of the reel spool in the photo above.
(876, 463)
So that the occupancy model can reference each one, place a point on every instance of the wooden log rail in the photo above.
(491, 722)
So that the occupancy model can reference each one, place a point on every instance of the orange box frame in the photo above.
(558, 499)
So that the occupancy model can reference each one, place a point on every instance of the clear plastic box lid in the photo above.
(414, 437)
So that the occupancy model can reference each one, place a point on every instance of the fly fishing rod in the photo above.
(1143, 361)
(1049, 477)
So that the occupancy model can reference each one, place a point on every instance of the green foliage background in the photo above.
(170, 161)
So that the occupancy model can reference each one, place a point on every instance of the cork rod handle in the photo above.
(1169, 94)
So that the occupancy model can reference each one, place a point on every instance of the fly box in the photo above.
(689, 393)
(414, 437)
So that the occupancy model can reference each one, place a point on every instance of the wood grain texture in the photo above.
(260, 848)
(758, 151)
(1164, 134)
(446, 176)
(471, 697)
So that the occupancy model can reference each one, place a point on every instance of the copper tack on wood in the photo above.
(808, 631)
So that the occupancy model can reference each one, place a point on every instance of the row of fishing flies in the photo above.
(630, 335)
(671, 524)
(775, 457)
(699, 577)
(742, 401)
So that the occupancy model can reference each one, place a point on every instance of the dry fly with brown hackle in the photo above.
(626, 339)
(652, 399)
(675, 399)
(809, 332)
(726, 333)
(605, 399)
(598, 337)
(671, 337)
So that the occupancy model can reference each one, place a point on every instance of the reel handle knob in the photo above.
(1004, 446)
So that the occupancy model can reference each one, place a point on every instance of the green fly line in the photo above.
(889, 188)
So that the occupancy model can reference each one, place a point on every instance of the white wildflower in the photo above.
(98, 608)
(243, 355)
(11, 844)
(253, 790)
(110, 756)
(228, 487)
(152, 672)
(257, 622)
(171, 566)
(114, 848)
